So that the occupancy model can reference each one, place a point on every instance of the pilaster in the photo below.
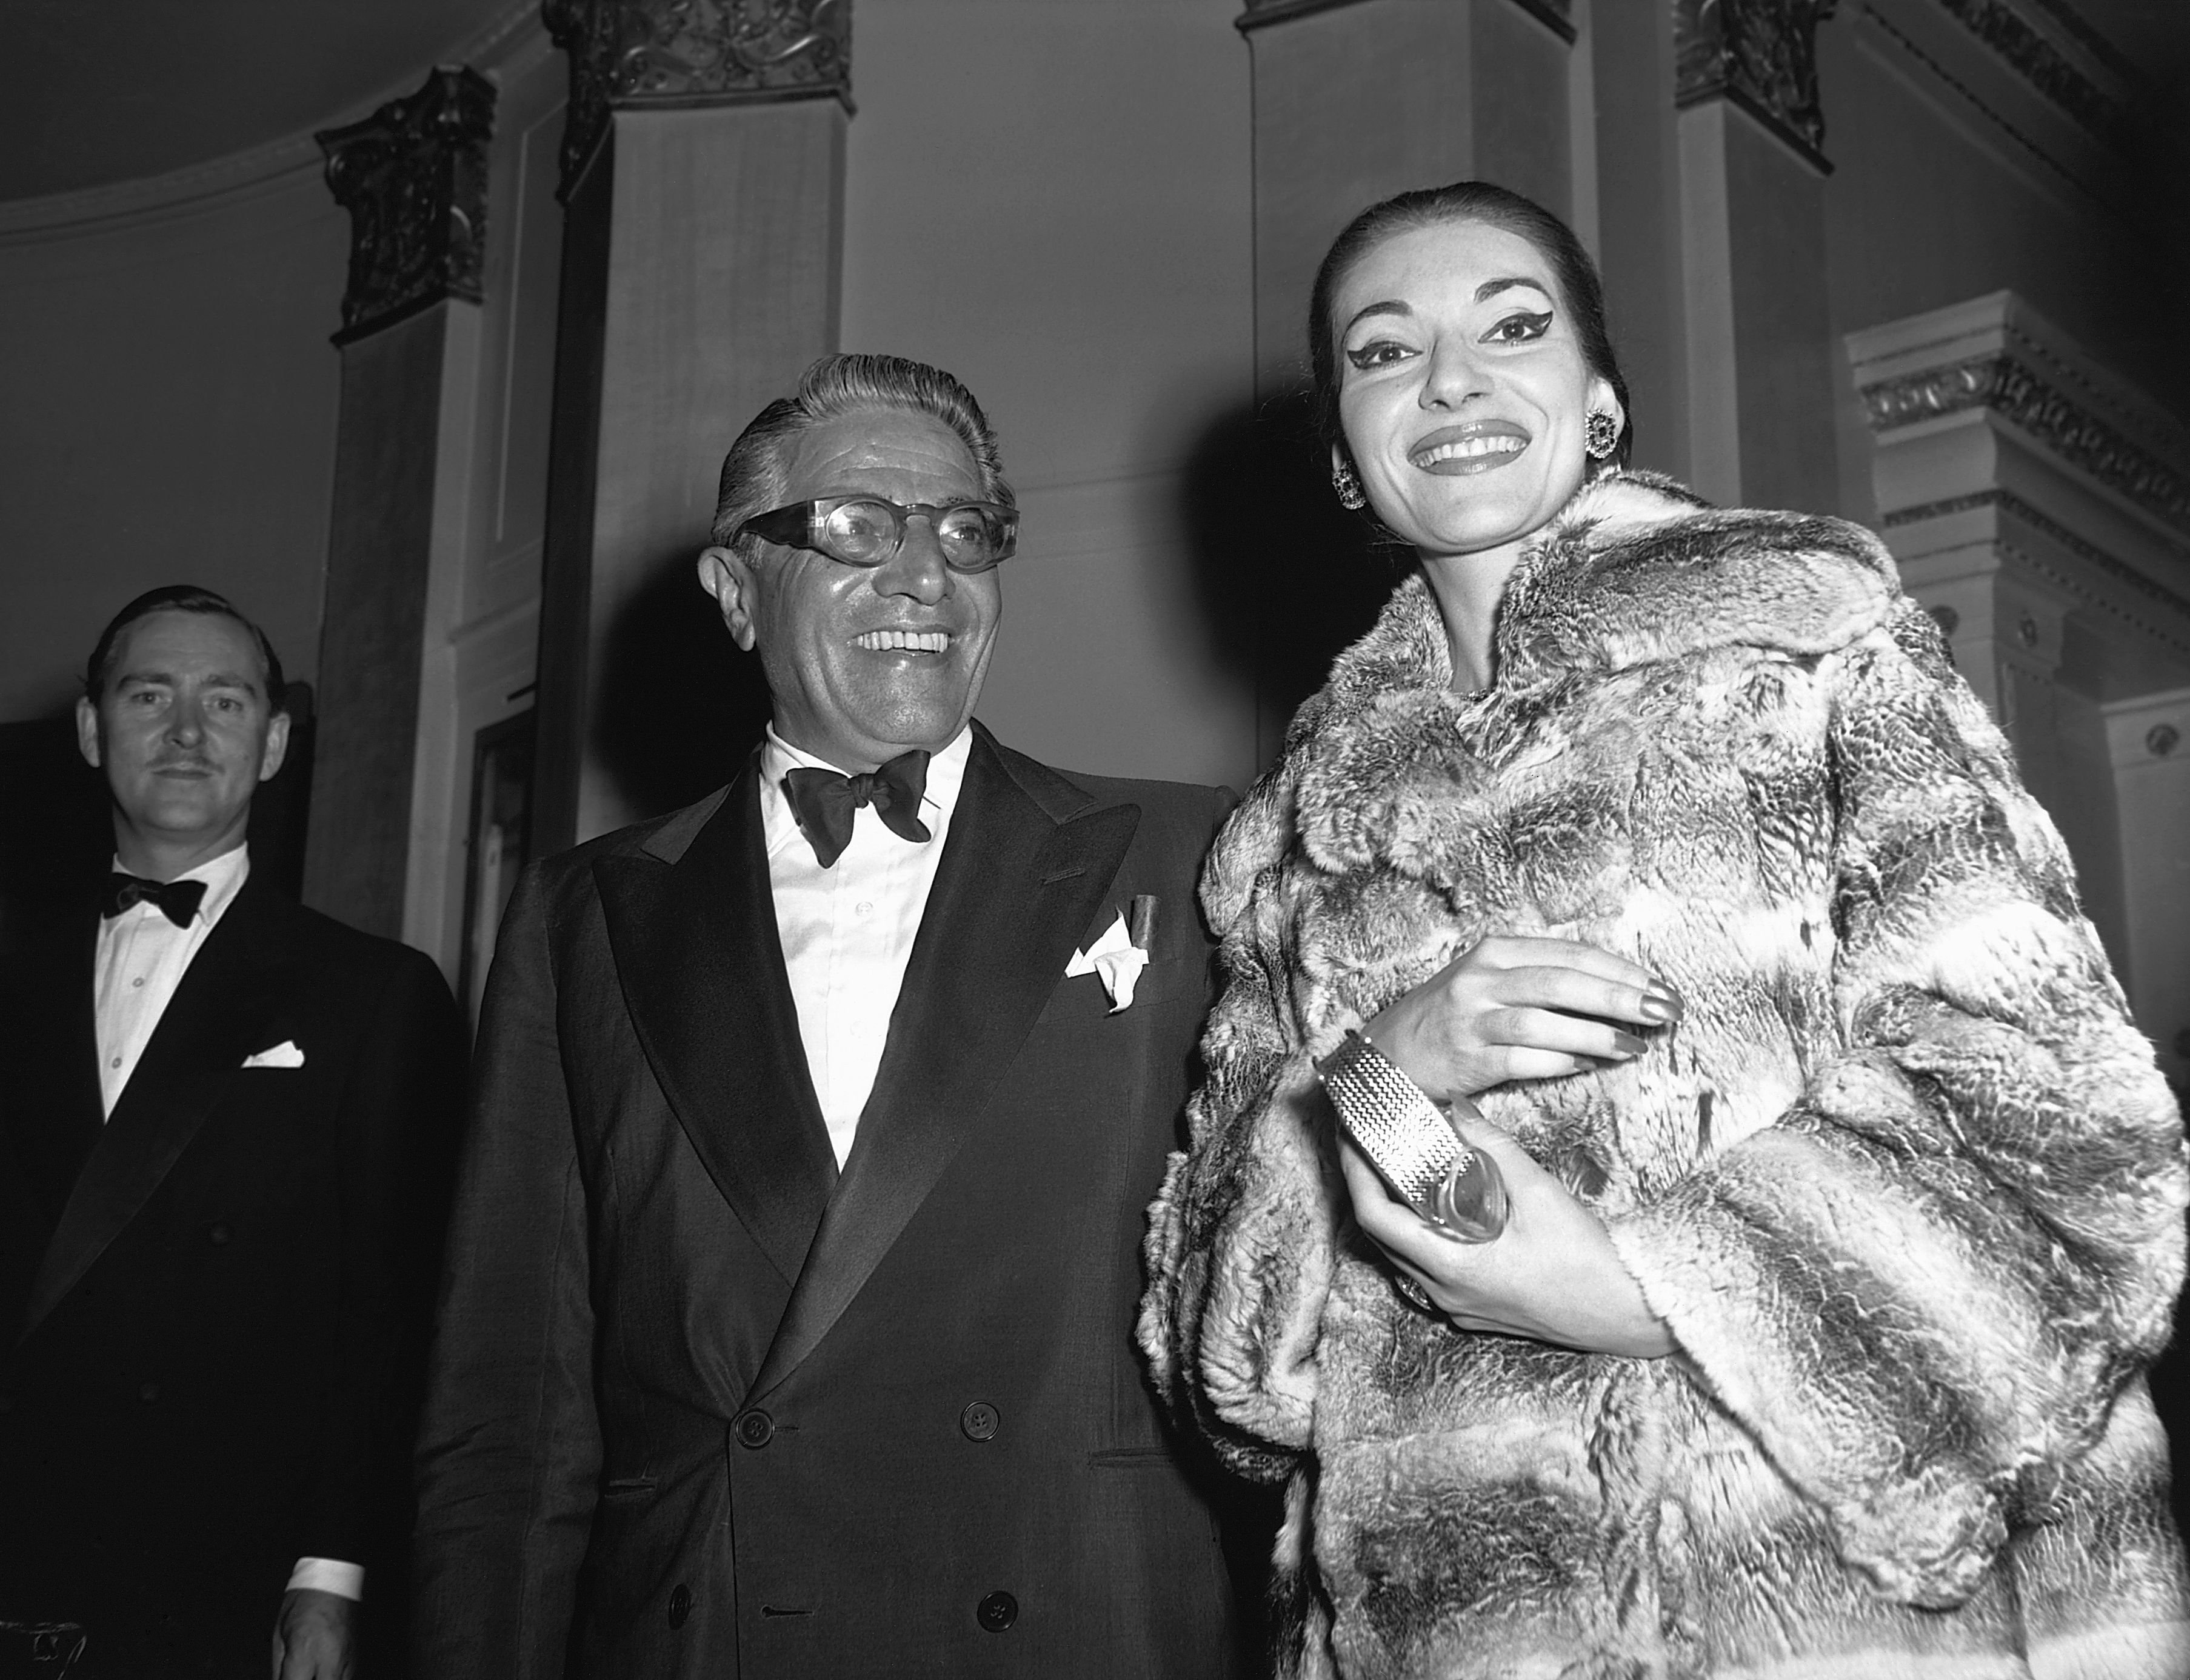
(1757, 324)
(703, 193)
(413, 178)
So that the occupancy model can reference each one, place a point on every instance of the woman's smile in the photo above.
(1479, 446)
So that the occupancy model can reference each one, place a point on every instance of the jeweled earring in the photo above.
(1600, 435)
(1348, 486)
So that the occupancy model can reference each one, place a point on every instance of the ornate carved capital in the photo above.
(628, 52)
(2010, 388)
(413, 178)
(1762, 54)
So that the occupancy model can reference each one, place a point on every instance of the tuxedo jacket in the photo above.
(212, 1304)
(702, 1405)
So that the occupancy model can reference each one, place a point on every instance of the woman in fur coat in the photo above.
(1846, 1201)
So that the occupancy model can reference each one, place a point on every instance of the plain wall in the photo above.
(167, 409)
(1053, 200)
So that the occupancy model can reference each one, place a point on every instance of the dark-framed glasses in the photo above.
(866, 530)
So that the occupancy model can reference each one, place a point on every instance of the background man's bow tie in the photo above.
(824, 801)
(178, 900)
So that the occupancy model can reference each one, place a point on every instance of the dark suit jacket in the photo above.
(702, 1406)
(207, 1299)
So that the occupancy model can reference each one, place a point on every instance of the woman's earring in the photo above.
(1349, 487)
(1600, 435)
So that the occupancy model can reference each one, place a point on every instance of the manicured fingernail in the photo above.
(1661, 1002)
(1627, 1044)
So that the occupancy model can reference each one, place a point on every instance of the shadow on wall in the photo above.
(56, 839)
(680, 704)
(1284, 576)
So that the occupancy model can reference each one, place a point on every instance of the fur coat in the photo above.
(1904, 1184)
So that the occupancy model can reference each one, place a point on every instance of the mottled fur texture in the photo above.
(1904, 1184)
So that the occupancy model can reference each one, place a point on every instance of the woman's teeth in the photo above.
(1469, 448)
(903, 641)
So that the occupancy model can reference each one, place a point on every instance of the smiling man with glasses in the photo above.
(788, 1327)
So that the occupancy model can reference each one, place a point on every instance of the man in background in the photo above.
(788, 1322)
(219, 1214)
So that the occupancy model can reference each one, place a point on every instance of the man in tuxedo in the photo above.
(786, 1329)
(218, 1216)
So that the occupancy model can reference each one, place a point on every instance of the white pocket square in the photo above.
(1116, 959)
(285, 1054)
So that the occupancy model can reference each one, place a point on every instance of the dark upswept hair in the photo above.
(179, 598)
(1497, 207)
(754, 473)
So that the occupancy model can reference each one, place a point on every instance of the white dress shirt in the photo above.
(847, 930)
(141, 959)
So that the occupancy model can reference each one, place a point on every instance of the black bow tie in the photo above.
(178, 900)
(824, 801)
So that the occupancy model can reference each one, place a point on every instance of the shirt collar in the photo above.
(223, 877)
(946, 775)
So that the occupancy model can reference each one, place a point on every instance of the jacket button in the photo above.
(755, 1428)
(680, 1604)
(218, 1236)
(978, 1421)
(149, 1392)
(996, 1611)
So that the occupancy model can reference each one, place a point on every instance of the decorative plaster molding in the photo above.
(2004, 385)
(2027, 52)
(2176, 607)
(628, 53)
(413, 178)
(1762, 54)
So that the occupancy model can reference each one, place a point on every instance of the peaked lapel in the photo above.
(691, 921)
(214, 1020)
(1023, 871)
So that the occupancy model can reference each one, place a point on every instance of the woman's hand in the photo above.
(1552, 1275)
(1515, 1007)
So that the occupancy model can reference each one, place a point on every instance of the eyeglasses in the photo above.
(866, 530)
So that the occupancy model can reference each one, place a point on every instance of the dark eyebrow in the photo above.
(1389, 308)
(219, 679)
(1491, 288)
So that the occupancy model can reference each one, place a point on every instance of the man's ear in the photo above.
(728, 576)
(277, 745)
(87, 732)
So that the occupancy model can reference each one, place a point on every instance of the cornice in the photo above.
(413, 176)
(2025, 49)
(2003, 383)
(1762, 55)
(628, 53)
(238, 174)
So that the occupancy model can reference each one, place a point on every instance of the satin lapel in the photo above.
(216, 1017)
(696, 950)
(1015, 891)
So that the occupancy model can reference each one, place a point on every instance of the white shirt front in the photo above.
(140, 960)
(847, 930)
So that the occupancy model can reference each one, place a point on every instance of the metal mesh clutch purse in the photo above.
(1411, 1141)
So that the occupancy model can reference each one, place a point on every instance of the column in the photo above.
(703, 197)
(413, 178)
(1759, 366)
(1356, 100)
(2039, 505)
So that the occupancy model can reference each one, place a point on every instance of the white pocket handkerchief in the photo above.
(1116, 959)
(285, 1054)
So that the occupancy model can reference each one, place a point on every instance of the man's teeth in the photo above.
(903, 641)
(1467, 447)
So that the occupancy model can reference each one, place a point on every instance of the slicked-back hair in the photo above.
(755, 474)
(1581, 291)
(180, 597)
